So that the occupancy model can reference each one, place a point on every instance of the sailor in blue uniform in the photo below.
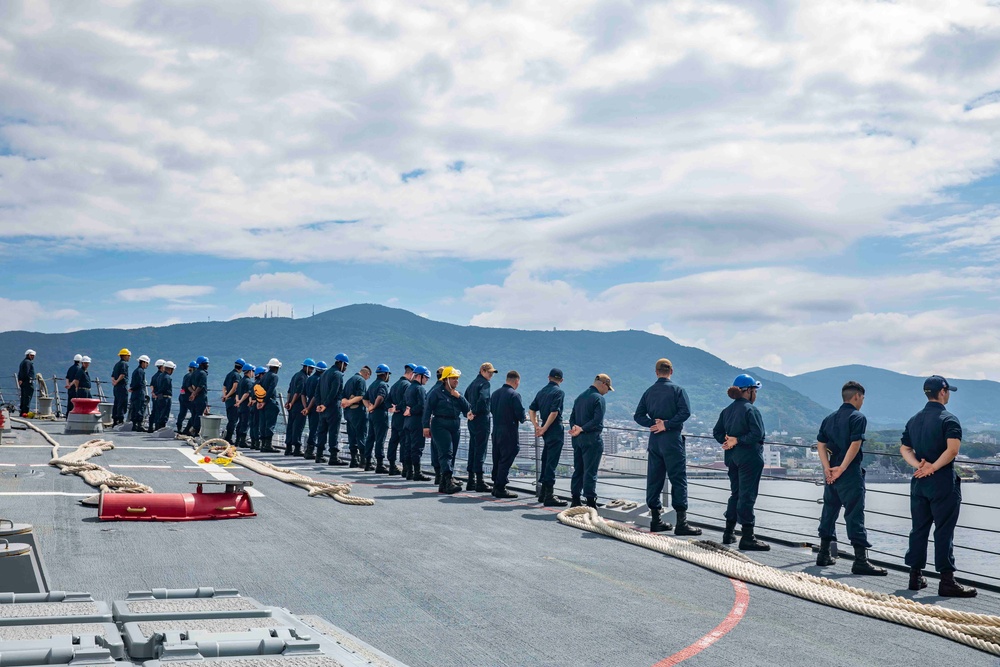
(256, 408)
(82, 381)
(69, 386)
(119, 387)
(586, 422)
(26, 381)
(663, 409)
(230, 385)
(331, 389)
(839, 444)
(508, 414)
(355, 414)
(377, 404)
(197, 396)
(740, 431)
(139, 399)
(478, 396)
(415, 400)
(164, 390)
(153, 405)
(244, 397)
(182, 397)
(270, 409)
(295, 407)
(311, 393)
(442, 420)
(397, 406)
(545, 413)
(930, 443)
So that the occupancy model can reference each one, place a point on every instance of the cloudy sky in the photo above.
(795, 185)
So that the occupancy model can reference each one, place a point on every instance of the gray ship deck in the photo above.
(462, 580)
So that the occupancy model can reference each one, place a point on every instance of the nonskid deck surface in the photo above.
(460, 580)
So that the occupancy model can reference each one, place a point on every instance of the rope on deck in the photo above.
(980, 631)
(341, 492)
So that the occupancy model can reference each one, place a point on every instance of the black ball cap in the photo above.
(556, 374)
(936, 383)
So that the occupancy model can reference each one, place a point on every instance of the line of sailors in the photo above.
(323, 398)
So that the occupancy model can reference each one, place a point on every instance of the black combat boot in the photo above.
(470, 483)
(355, 460)
(266, 446)
(549, 499)
(864, 566)
(309, 453)
(335, 458)
(576, 502)
(418, 476)
(407, 471)
(949, 588)
(729, 534)
(319, 459)
(368, 465)
(297, 451)
(448, 485)
(592, 502)
(380, 469)
(437, 477)
(825, 558)
(394, 470)
(917, 579)
(481, 485)
(748, 542)
(288, 449)
(683, 527)
(656, 524)
(255, 444)
(502, 492)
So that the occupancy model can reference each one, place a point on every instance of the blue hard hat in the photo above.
(202, 360)
(421, 370)
(193, 364)
(309, 362)
(382, 368)
(321, 365)
(411, 366)
(241, 362)
(246, 367)
(745, 382)
(342, 357)
(260, 370)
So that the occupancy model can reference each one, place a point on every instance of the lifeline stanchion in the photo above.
(980, 631)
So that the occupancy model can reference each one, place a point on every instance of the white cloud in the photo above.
(271, 307)
(175, 293)
(273, 282)
(20, 315)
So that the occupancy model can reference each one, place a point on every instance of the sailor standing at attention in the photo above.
(930, 443)
(197, 395)
(311, 394)
(478, 396)
(137, 387)
(548, 407)
(331, 388)
(740, 431)
(119, 381)
(270, 408)
(839, 443)
(377, 404)
(244, 396)
(294, 407)
(442, 423)
(154, 405)
(164, 390)
(257, 393)
(507, 411)
(230, 385)
(397, 406)
(355, 414)
(182, 397)
(435, 462)
(663, 409)
(26, 381)
(415, 400)
(586, 423)
(70, 389)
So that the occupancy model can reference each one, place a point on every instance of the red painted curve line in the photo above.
(736, 614)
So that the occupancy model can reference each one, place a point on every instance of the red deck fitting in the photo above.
(233, 503)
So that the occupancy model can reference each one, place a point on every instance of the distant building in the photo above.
(772, 457)
(610, 441)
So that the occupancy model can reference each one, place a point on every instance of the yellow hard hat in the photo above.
(259, 391)
(124, 351)
(450, 372)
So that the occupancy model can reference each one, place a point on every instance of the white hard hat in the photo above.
(159, 362)
(77, 357)
(169, 364)
(28, 351)
(144, 358)
(274, 363)
(85, 360)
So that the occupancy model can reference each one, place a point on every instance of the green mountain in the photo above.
(372, 334)
(892, 398)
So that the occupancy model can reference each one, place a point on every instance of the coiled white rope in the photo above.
(979, 631)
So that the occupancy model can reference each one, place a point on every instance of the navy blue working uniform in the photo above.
(83, 383)
(935, 499)
(120, 392)
(378, 420)
(197, 398)
(153, 405)
(442, 415)
(667, 450)
(415, 399)
(356, 417)
(164, 390)
(331, 388)
(296, 420)
(435, 462)
(26, 376)
(397, 399)
(244, 410)
(271, 409)
(588, 413)
(837, 432)
(256, 413)
(311, 394)
(232, 380)
(182, 399)
(745, 461)
(477, 395)
(137, 405)
(70, 389)
(507, 411)
(548, 400)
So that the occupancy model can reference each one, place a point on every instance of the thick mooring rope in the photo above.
(979, 631)
(341, 492)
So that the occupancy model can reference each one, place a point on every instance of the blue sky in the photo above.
(793, 185)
